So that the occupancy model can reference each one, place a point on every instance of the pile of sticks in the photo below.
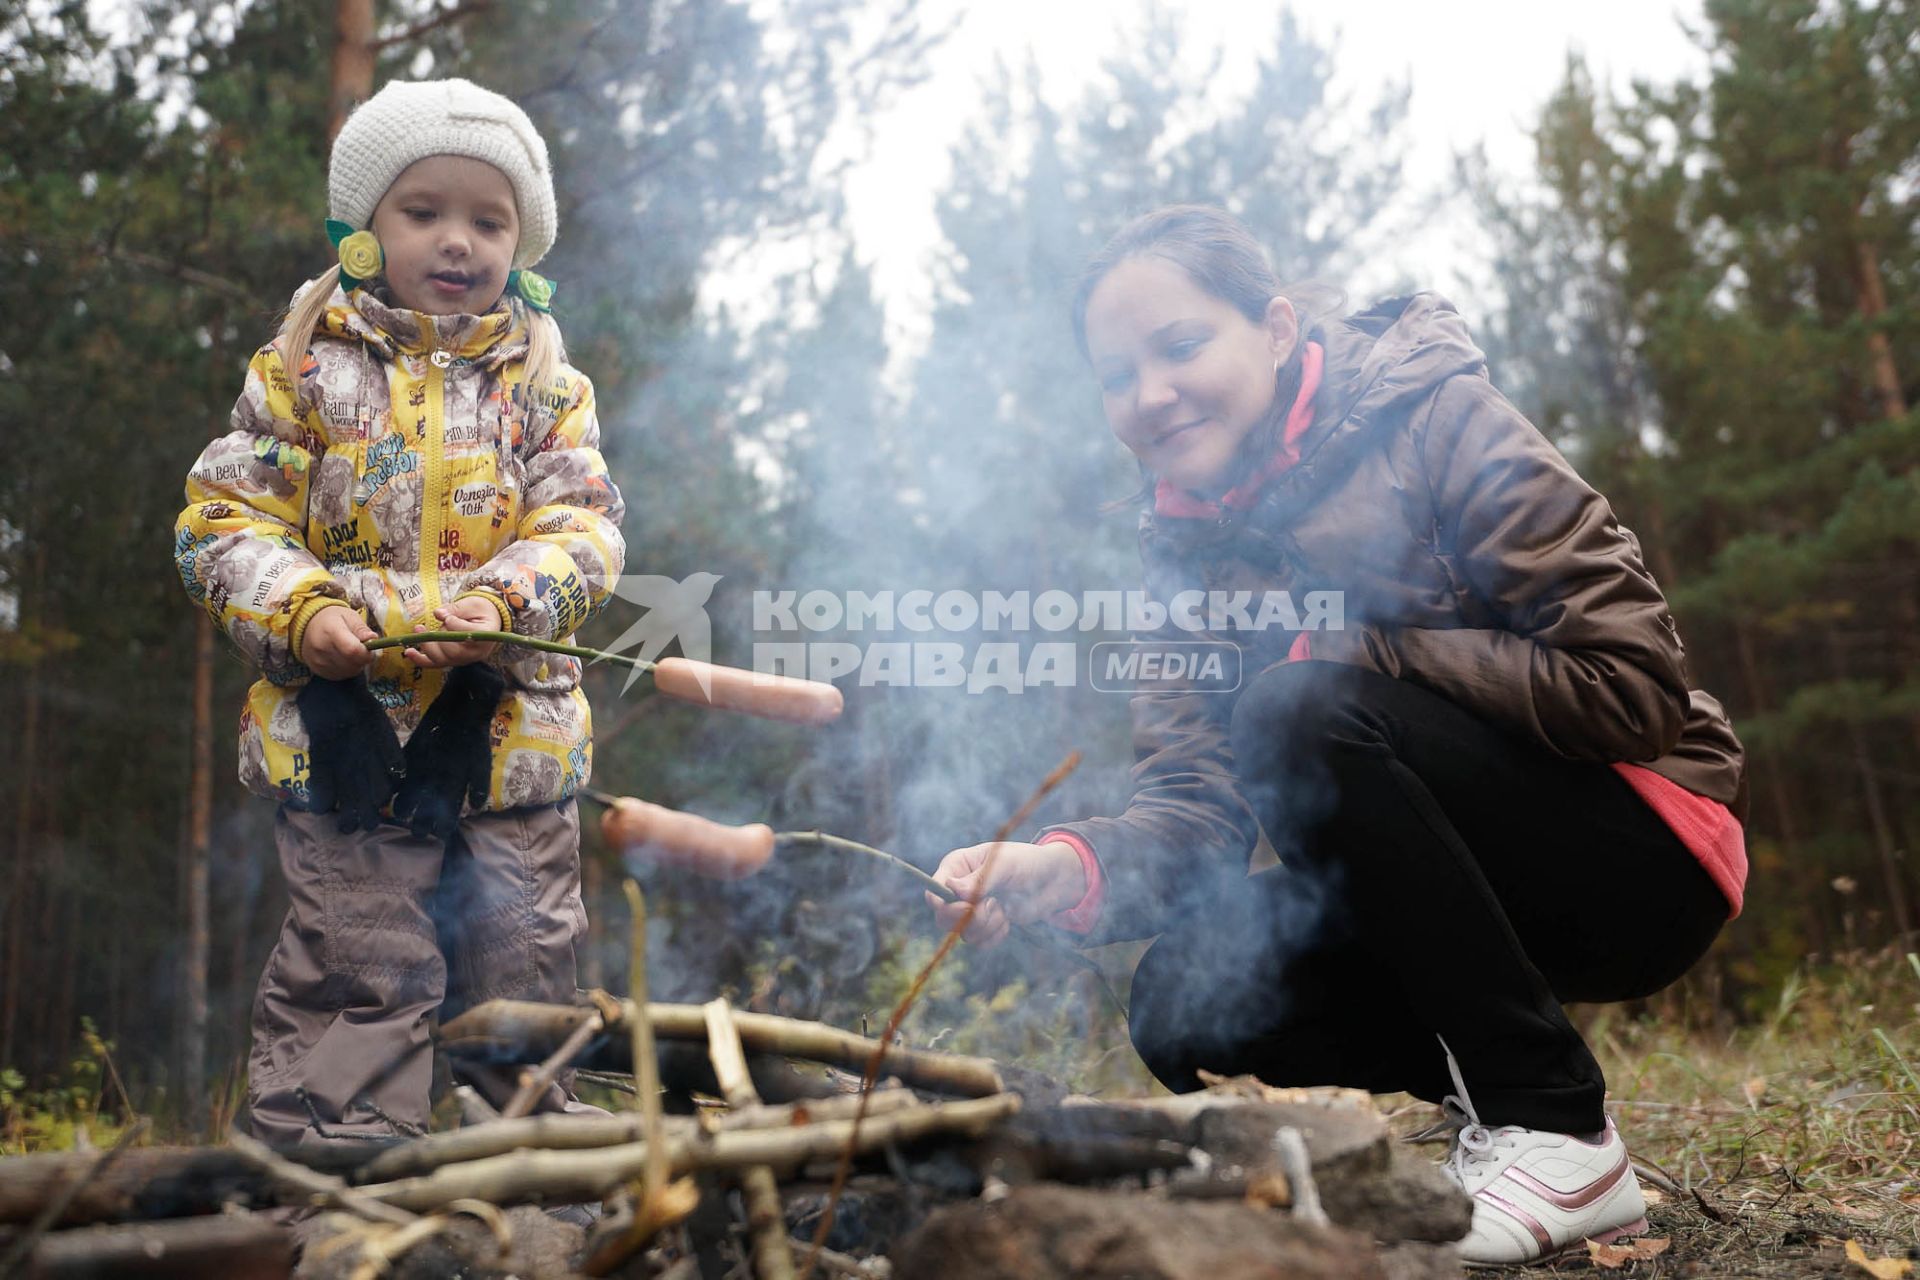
(71, 1214)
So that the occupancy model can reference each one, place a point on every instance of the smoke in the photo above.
(809, 458)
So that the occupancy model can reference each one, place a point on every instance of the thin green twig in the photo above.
(821, 840)
(508, 637)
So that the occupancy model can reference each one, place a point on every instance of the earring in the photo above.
(360, 255)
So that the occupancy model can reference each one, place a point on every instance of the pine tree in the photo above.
(1732, 376)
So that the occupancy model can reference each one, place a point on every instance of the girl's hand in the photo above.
(1026, 882)
(470, 614)
(334, 645)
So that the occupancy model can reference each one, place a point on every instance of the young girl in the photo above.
(1491, 790)
(410, 452)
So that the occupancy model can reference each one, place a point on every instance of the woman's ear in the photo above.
(1283, 330)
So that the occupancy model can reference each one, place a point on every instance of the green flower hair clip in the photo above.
(360, 256)
(534, 289)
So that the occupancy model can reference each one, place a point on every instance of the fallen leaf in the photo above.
(1879, 1268)
(1653, 1195)
(1615, 1256)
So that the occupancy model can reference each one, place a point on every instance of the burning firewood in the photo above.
(528, 1030)
(766, 1216)
(582, 1133)
(562, 1177)
(240, 1247)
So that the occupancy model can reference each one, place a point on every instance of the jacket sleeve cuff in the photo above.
(305, 614)
(1082, 917)
(495, 599)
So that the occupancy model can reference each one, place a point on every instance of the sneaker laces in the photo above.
(1473, 1141)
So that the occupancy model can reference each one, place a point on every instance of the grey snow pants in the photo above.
(382, 930)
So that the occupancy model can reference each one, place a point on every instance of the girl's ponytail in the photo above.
(303, 317)
(545, 352)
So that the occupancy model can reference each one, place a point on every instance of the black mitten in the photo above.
(353, 756)
(450, 756)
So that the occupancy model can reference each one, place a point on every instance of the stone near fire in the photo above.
(1047, 1232)
(1410, 1200)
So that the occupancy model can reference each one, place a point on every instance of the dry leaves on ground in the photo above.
(1879, 1268)
(1615, 1256)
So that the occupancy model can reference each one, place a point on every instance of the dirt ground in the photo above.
(1793, 1237)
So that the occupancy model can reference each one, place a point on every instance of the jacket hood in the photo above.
(1393, 353)
(363, 316)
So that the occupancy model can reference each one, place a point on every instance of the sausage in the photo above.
(687, 840)
(754, 692)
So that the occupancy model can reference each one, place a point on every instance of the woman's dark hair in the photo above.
(1209, 244)
(1220, 253)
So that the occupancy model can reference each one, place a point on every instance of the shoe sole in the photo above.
(1637, 1228)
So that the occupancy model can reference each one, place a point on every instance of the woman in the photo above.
(1491, 789)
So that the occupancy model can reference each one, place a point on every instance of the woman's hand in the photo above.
(470, 614)
(1026, 882)
(334, 645)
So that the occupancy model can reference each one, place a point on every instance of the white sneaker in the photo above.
(1536, 1193)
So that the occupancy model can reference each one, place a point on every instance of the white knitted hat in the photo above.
(411, 120)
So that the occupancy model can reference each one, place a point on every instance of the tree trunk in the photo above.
(1873, 305)
(20, 875)
(352, 62)
(199, 852)
(1778, 786)
(1883, 838)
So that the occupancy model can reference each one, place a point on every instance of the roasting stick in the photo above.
(756, 693)
(722, 852)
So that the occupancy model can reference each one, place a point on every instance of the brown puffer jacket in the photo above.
(1472, 559)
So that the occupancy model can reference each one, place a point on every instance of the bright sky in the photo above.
(1479, 70)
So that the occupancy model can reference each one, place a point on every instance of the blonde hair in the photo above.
(546, 352)
(546, 349)
(303, 317)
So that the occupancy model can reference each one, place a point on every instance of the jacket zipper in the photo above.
(433, 515)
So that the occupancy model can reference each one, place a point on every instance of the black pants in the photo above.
(1439, 877)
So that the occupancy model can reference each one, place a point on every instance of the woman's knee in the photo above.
(1157, 1017)
(1294, 710)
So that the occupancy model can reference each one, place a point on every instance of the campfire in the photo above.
(760, 1146)
(959, 1168)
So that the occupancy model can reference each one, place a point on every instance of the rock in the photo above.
(1342, 1142)
(542, 1246)
(1421, 1262)
(1410, 1200)
(1066, 1233)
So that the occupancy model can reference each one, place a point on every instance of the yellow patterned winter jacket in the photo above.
(415, 467)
